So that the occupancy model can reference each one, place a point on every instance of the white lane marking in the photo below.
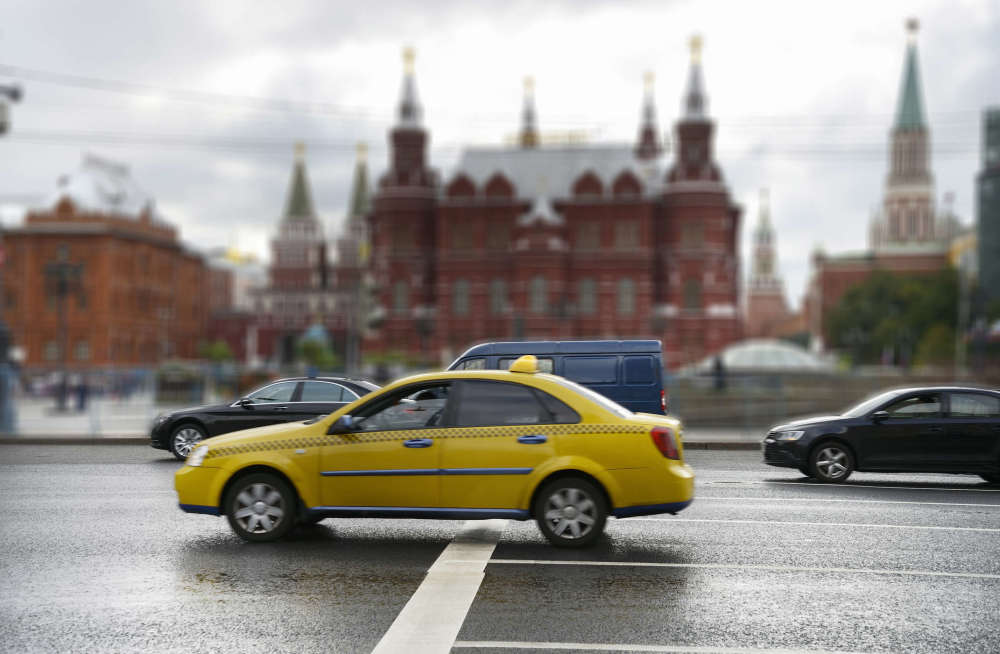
(817, 499)
(741, 566)
(431, 620)
(866, 486)
(605, 647)
(814, 524)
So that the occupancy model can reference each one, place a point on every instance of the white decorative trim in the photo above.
(720, 311)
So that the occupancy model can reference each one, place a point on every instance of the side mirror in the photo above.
(342, 425)
(245, 402)
(880, 416)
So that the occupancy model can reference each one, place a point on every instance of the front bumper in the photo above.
(199, 490)
(159, 435)
(783, 454)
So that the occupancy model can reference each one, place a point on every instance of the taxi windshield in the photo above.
(605, 403)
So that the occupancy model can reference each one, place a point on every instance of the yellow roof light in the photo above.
(527, 363)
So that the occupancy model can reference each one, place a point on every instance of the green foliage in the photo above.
(217, 351)
(937, 347)
(317, 354)
(894, 313)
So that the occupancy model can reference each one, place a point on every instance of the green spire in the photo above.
(299, 204)
(910, 111)
(360, 192)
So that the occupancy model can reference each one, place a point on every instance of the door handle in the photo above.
(935, 430)
(281, 408)
(418, 442)
(533, 439)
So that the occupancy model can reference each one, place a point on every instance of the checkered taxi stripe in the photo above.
(356, 438)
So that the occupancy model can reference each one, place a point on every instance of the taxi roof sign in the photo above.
(527, 363)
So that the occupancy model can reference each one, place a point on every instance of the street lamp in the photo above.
(7, 416)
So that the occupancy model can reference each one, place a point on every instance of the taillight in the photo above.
(663, 438)
(663, 401)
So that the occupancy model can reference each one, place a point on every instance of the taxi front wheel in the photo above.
(260, 507)
(571, 512)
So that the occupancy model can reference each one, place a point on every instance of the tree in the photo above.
(317, 354)
(217, 351)
(893, 313)
(937, 347)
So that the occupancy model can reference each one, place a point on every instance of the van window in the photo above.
(639, 370)
(591, 370)
(544, 364)
(472, 364)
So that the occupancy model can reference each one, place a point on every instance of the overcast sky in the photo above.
(803, 94)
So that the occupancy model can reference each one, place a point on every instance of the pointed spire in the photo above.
(695, 101)
(360, 192)
(764, 220)
(410, 111)
(529, 121)
(910, 109)
(299, 205)
(649, 142)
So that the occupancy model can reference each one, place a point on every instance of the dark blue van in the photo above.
(629, 372)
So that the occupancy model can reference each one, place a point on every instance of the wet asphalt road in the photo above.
(96, 557)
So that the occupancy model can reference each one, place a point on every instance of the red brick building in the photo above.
(134, 295)
(570, 241)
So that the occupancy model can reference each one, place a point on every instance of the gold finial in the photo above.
(362, 151)
(912, 25)
(529, 85)
(300, 150)
(695, 44)
(648, 79)
(409, 54)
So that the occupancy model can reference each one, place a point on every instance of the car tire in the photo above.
(831, 462)
(184, 439)
(993, 479)
(571, 512)
(260, 507)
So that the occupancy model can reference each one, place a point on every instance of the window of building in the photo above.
(400, 298)
(626, 235)
(588, 235)
(497, 236)
(692, 294)
(461, 236)
(692, 235)
(82, 351)
(537, 295)
(460, 297)
(626, 297)
(51, 351)
(587, 300)
(498, 297)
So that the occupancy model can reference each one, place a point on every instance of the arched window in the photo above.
(587, 300)
(626, 297)
(400, 298)
(498, 297)
(537, 295)
(460, 298)
(692, 294)
(626, 184)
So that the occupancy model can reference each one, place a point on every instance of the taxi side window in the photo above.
(409, 408)
(920, 406)
(484, 403)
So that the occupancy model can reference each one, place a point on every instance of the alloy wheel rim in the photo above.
(186, 439)
(570, 513)
(832, 462)
(259, 508)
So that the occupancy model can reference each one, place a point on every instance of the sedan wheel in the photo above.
(184, 439)
(831, 462)
(260, 507)
(570, 512)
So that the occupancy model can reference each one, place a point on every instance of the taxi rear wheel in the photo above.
(260, 507)
(571, 512)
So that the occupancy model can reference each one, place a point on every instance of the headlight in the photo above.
(789, 435)
(195, 458)
(160, 419)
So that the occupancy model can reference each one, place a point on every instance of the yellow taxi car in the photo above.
(453, 445)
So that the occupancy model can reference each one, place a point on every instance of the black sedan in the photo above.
(285, 400)
(946, 429)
